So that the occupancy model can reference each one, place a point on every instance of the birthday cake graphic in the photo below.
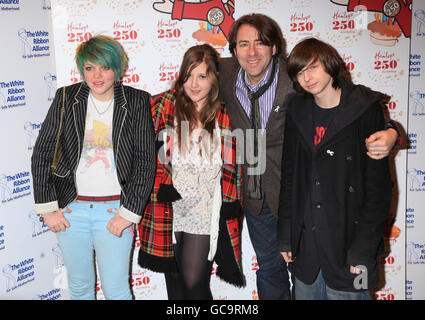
(210, 34)
(383, 30)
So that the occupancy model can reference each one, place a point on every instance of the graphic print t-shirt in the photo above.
(321, 119)
(96, 173)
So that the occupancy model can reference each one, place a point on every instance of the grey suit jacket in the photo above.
(270, 179)
(133, 147)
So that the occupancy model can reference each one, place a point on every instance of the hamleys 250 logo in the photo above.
(386, 69)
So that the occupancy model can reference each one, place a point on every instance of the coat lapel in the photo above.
(166, 116)
(347, 112)
(302, 113)
(352, 105)
(333, 128)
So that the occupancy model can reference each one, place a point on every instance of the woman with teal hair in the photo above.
(98, 189)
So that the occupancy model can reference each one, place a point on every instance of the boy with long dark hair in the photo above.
(334, 199)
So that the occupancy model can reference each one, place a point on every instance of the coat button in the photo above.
(318, 205)
(351, 189)
(313, 228)
(317, 183)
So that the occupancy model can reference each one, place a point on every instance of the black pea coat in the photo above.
(355, 189)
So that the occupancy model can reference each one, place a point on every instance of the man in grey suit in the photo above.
(255, 87)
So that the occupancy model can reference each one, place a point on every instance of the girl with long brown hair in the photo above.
(193, 215)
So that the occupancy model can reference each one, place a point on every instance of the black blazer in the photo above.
(133, 146)
(229, 69)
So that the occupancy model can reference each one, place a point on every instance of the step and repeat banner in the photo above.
(30, 259)
(382, 42)
(415, 219)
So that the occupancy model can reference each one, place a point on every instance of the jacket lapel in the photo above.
(119, 115)
(279, 99)
(79, 110)
(237, 112)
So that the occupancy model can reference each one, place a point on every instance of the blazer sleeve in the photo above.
(377, 192)
(139, 186)
(45, 197)
(285, 197)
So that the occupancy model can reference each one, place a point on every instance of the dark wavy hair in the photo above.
(185, 109)
(310, 50)
(268, 30)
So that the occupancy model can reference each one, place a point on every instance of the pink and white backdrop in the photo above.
(382, 42)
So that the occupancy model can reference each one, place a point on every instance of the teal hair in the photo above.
(102, 51)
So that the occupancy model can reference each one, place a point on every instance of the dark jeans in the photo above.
(318, 290)
(272, 275)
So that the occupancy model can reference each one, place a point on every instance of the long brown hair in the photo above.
(311, 50)
(185, 109)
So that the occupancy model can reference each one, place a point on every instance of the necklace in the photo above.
(107, 108)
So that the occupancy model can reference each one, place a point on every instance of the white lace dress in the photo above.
(197, 179)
